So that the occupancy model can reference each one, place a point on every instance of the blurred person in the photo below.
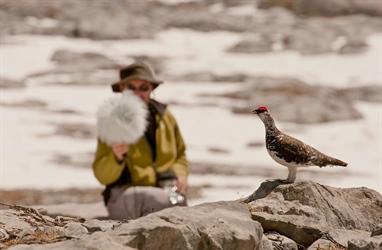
(151, 174)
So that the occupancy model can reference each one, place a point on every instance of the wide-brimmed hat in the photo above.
(137, 70)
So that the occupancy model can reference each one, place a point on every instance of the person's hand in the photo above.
(181, 184)
(119, 149)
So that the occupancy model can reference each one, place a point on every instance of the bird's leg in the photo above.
(291, 175)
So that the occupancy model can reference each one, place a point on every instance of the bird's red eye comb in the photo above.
(263, 108)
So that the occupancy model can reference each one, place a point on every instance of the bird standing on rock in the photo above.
(289, 151)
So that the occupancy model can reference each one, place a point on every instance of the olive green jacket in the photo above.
(170, 155)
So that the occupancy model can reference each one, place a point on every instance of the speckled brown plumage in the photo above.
(289, 151)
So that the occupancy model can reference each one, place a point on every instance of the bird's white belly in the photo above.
(284, 163)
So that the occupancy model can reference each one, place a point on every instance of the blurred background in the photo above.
(315, 64)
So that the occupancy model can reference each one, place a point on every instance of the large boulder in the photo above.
(306, 211)
(219, 225)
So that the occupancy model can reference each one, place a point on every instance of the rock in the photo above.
(193, 77)
(219, 225)
(95, 225)
(339, 238)
(291, 100)
(267, 244)
(252, 46)
(326, 8)
(205, 76)
(95, 241)
(201, 19)
(281, 242)
(304, 211)
(88, 60)
(229, 226)
(353, 46)
(74, 229)
(77, 19)
(301, 38)
(370, 243)
(10, 84)
(322, 244)
(291, 215)
(371, 93)
(377, 231)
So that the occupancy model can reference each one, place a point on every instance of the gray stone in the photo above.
(267, 244)
(339, 238)
(321, 244)
(328, 8)
(75, 229)
(220, 225)
(371, 93)
(252, 46)
(342, 236)
(377, 231)
(93, 225)
(11, 84)
(304, 211)
(96, 241)
(281, 242)
(88, 60)
(370, 243)
(291, 100)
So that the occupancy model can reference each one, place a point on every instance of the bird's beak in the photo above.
(255, 111)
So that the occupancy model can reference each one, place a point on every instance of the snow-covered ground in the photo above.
(28, 143)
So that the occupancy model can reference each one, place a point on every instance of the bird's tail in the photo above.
(336, 162)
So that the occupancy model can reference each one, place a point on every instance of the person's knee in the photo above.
(156, 199)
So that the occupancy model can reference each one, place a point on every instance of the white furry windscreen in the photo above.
(122, 118)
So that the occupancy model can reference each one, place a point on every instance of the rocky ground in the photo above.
(302, 215)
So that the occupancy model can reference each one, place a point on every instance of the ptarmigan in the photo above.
(289, 151)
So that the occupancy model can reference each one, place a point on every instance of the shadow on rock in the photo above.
(265, 188)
